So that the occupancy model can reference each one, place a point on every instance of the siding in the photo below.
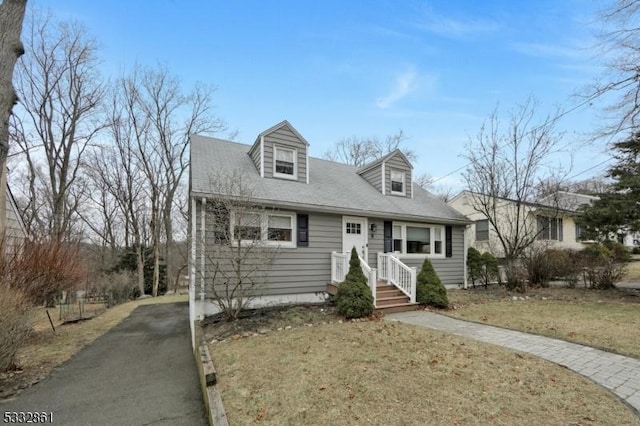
(308, 269)
(254, 153)
(397, 163)
(374, 177)
(295, 271)
(287, 139)
(14, 233)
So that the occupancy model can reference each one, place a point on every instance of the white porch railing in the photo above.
(340, 268)
(397, 273)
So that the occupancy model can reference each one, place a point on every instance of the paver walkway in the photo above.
(140, 372)
(619, 374)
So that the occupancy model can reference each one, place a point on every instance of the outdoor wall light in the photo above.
(373, 228)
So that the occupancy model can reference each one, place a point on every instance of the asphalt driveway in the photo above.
(141, 372)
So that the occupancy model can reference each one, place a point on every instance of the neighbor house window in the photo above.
(418, 239)
(285, 162)
(270, 229)
(579, 232)
(549, 228)
(397, 182)
(482, 230)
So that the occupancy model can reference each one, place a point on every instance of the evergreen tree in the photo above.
(620, 208)
(354, 298)
(429, 288)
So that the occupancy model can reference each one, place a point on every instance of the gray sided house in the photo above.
(314, 211)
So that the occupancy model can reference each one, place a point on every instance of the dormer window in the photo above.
(397, 182)
(285, 164)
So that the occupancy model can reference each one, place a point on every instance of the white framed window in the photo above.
(549, 228)
(266, 228)
(482, 230)
(418, 240)
(398, 182)
(285, 162)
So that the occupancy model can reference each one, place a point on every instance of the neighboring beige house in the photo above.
(551, 221)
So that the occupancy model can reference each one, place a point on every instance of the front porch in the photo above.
(392, 283)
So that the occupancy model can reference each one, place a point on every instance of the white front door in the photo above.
(354, 234)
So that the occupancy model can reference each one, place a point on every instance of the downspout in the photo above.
(262, 156)
(464, 254)
(203, 233)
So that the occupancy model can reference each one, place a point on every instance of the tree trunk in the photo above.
(11, 17)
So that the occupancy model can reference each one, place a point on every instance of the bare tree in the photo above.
(11, 48)
(427, 182)
(173, 116)
(620, 42)
(237, 257)
(504, 166)
(360, 151)
(58, 116)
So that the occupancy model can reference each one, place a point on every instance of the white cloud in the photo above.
(404, 84)
(575, 51)
(456, 28)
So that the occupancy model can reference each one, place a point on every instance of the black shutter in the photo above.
(388, 236)
(448, 237)
(303, 230)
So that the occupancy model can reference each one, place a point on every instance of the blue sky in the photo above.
(335, 69)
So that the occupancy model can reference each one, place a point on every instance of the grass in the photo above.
(633, 271)
(605, 319)
(45, 350)
(389, 373)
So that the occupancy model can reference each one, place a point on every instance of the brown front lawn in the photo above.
(607, 319)
(388, 373)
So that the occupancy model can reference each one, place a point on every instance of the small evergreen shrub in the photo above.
(429, 288)
(490, 271)
(636, 250)
(474, 265)
(354, 298)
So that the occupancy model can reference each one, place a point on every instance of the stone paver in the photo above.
(618, 373)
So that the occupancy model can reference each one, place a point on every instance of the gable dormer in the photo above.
(281, 153)
(391, 174)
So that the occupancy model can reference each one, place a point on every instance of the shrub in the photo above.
(602, 267)
(42, 270)
(429, 288)
(618, 251)
(490, 270)
(117, 286)
(474, 265)
(539, 267)
(636, 250)
(354, 298)
(14, 324)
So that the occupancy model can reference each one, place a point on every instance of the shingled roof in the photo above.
(333, 187)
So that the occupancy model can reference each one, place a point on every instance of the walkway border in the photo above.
(618, 374)
(208, 380)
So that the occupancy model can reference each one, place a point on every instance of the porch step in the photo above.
(394, 300)
(399, 307)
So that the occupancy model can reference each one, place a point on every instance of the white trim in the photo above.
(384, 189)
(364, 232)
(431, 255)
(193, 312)
(264, 229)
(262, 156)
(411, 178)
(295, 163)
(404, 182)
(464, 250)
(203, 234)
